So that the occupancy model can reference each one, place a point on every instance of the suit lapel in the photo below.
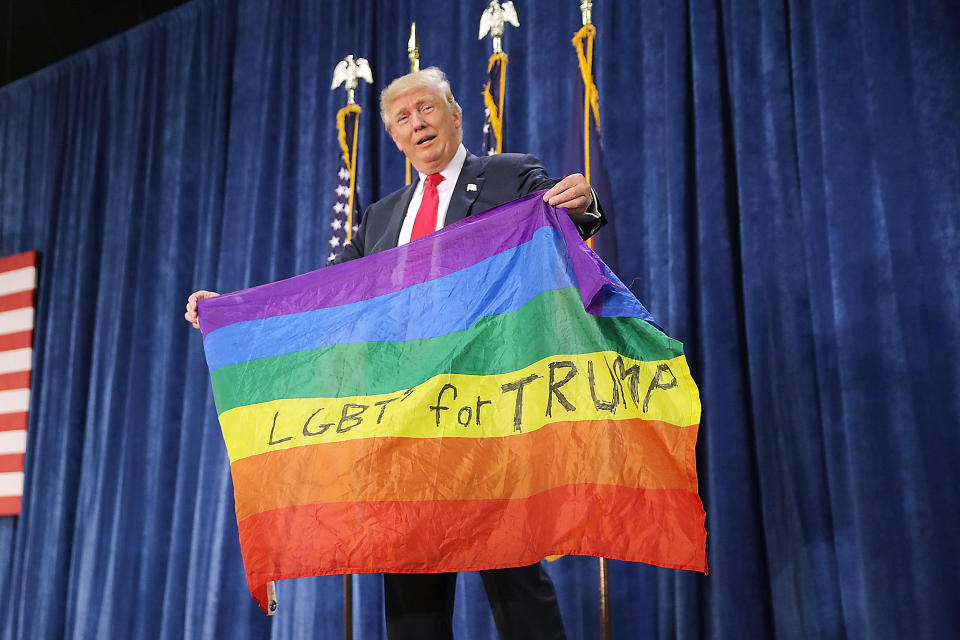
(464, 195)
(395, 222)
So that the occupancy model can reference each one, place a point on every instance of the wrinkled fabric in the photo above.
(785, 177)
(571, 426)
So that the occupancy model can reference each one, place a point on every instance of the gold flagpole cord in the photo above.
(503, 100)
(496, 112)
(349, 154)
(591, 104)
(586, 36)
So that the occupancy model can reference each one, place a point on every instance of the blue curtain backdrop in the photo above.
(787, 183)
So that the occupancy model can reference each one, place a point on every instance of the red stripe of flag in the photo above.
(15, 380)
(9, 505)
(659, 526)
(13, 421)
(16, 340)
(18, 261)
(18, 300)
(11, 462)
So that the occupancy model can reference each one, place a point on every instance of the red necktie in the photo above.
(426, 220)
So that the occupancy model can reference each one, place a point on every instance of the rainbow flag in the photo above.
(482, 397)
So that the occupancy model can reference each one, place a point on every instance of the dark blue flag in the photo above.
(494, 95)
(583, 143)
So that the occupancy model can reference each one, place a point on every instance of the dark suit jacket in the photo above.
(498, 179)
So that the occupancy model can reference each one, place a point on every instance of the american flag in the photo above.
(18, 283)
(343, 221)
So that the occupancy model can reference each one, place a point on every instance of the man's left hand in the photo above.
(573, 193)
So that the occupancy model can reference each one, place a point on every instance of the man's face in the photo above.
(425, 129)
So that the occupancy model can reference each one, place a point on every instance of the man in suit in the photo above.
(425, 122)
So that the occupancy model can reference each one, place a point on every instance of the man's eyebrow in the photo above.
(416, 105)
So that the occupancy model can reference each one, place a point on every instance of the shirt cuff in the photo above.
(592, 210)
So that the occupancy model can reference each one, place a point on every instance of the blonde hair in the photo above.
(429, 78)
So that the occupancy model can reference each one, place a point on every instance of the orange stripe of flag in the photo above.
(18, 300)
(15, 380)
(18, 261)
(13, 421)
(662, 527)
(645, 453)
(9, 505)
(16, 340)
(11, 462)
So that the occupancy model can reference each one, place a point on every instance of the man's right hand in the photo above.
(191, 314)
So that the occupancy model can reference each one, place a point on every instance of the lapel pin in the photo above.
(471, 187)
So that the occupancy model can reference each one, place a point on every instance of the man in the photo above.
(425, 122)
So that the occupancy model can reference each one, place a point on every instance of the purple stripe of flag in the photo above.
(458, 246)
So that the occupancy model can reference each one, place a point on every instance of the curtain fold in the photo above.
(787, 184)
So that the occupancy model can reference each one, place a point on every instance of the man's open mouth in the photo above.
(425, 140)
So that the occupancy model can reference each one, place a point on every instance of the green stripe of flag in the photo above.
(493, 345)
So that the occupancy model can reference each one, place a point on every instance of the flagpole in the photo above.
(588, 33)
(348, 606)
(348, 72)
(413, 53)
(604, 600)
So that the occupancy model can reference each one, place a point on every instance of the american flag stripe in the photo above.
(16, 340)
(16, 300)
(11, 483)
(18, 280)
(22, 279)
(13, 421)
(15, 380)
(13, 442)
(11, 462)
(15, 360)
(14, 400)
(18, 260)
(16, 320)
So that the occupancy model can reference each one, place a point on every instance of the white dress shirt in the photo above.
(450, 173)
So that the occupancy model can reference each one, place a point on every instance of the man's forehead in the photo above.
(414, 97)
